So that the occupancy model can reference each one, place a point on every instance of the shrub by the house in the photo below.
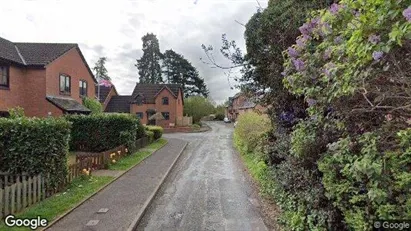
(157, 130)
(101, 132)
(94, 105)
(34, 146)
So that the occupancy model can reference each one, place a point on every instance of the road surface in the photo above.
(207, 189)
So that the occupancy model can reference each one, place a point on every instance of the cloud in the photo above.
(114, 29)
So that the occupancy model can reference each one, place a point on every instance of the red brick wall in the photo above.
(27, 90)
(70, 64)
(142, 108)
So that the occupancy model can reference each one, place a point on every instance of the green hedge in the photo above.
(150, 136)
(158, 131)
(101, 132)
(35, 146)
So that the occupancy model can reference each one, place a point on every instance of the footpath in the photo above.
(121, 204)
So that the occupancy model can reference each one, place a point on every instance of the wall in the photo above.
(70, 64)
(27, 90)
(171, 107)
(142, 108)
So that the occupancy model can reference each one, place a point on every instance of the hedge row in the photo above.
(100, 132)
(35, 146)
(157, 130)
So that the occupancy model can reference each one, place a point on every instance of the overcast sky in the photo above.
(114, 29)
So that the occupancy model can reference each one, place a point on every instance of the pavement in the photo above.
(208, 188)
(117, 206)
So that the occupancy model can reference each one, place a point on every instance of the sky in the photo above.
(114, 29)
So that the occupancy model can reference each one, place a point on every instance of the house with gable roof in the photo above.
(150, 100)
(45, 79)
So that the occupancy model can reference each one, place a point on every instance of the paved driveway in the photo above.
(207, 190)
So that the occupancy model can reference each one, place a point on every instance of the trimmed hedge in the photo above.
(150, 135)
(34, 146)
(158, 131)
(101, 132)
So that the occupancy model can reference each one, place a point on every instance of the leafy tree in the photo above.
(148, 65)
(100, 69)
(197, 107)
(94, 105)
(177, 69)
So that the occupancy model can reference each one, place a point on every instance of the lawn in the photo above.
(129, 161)
(59, 203)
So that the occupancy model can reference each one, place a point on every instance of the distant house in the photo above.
(239, 104)
(44, 78)
(106, 93)
(149, 101)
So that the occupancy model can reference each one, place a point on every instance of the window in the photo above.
(139, 115)
(65, 84)
(83, 88)
(139, 100)
(165, 100)
(4, 76)
(4, 114)
(166, 115)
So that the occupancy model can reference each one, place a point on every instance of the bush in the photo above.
(101, 132)
(34, 146)
(251, 128)
(356, 143)
(16, 112)
(219, 116)
(157, 130)
(197, 107)
(150, 136)
(93, 104)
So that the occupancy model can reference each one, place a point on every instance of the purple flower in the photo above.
(407, 14)
(334, 8)
(328, 68)
(302, 41)
(356, 13)
(283, 73)
(311, 102)
(305, 29)
(338, 39)
(374, 39)
(292, 52)
(327, 53)
(377, 55)
(298, 64)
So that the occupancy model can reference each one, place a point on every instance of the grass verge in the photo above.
(59, 203)
(133, 159)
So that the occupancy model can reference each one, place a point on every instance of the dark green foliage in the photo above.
(148, 65)
(35, 146)
(16, 112)
(157, 131)
(150, 135)
(100, 69)
(94, 105)
(179, 70)
(102, 132)
(219, 116)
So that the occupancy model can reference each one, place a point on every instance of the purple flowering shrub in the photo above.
(351, 63)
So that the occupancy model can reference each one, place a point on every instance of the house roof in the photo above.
(68, 104)
(150, 91)
(104, 91)
(119, 103)
(36, 54)
(248, 104)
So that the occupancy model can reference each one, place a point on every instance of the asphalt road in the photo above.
(207, 189)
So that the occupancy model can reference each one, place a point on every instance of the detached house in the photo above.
(239, 104)
(44, 78)
(148, 101)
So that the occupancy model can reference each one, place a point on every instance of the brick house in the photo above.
(150, 99)
(106, 93)
(240, 104)
(44, 78)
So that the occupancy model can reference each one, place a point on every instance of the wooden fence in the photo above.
(100, 160)
(142, 142)
(26, 190)
(184, 121)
